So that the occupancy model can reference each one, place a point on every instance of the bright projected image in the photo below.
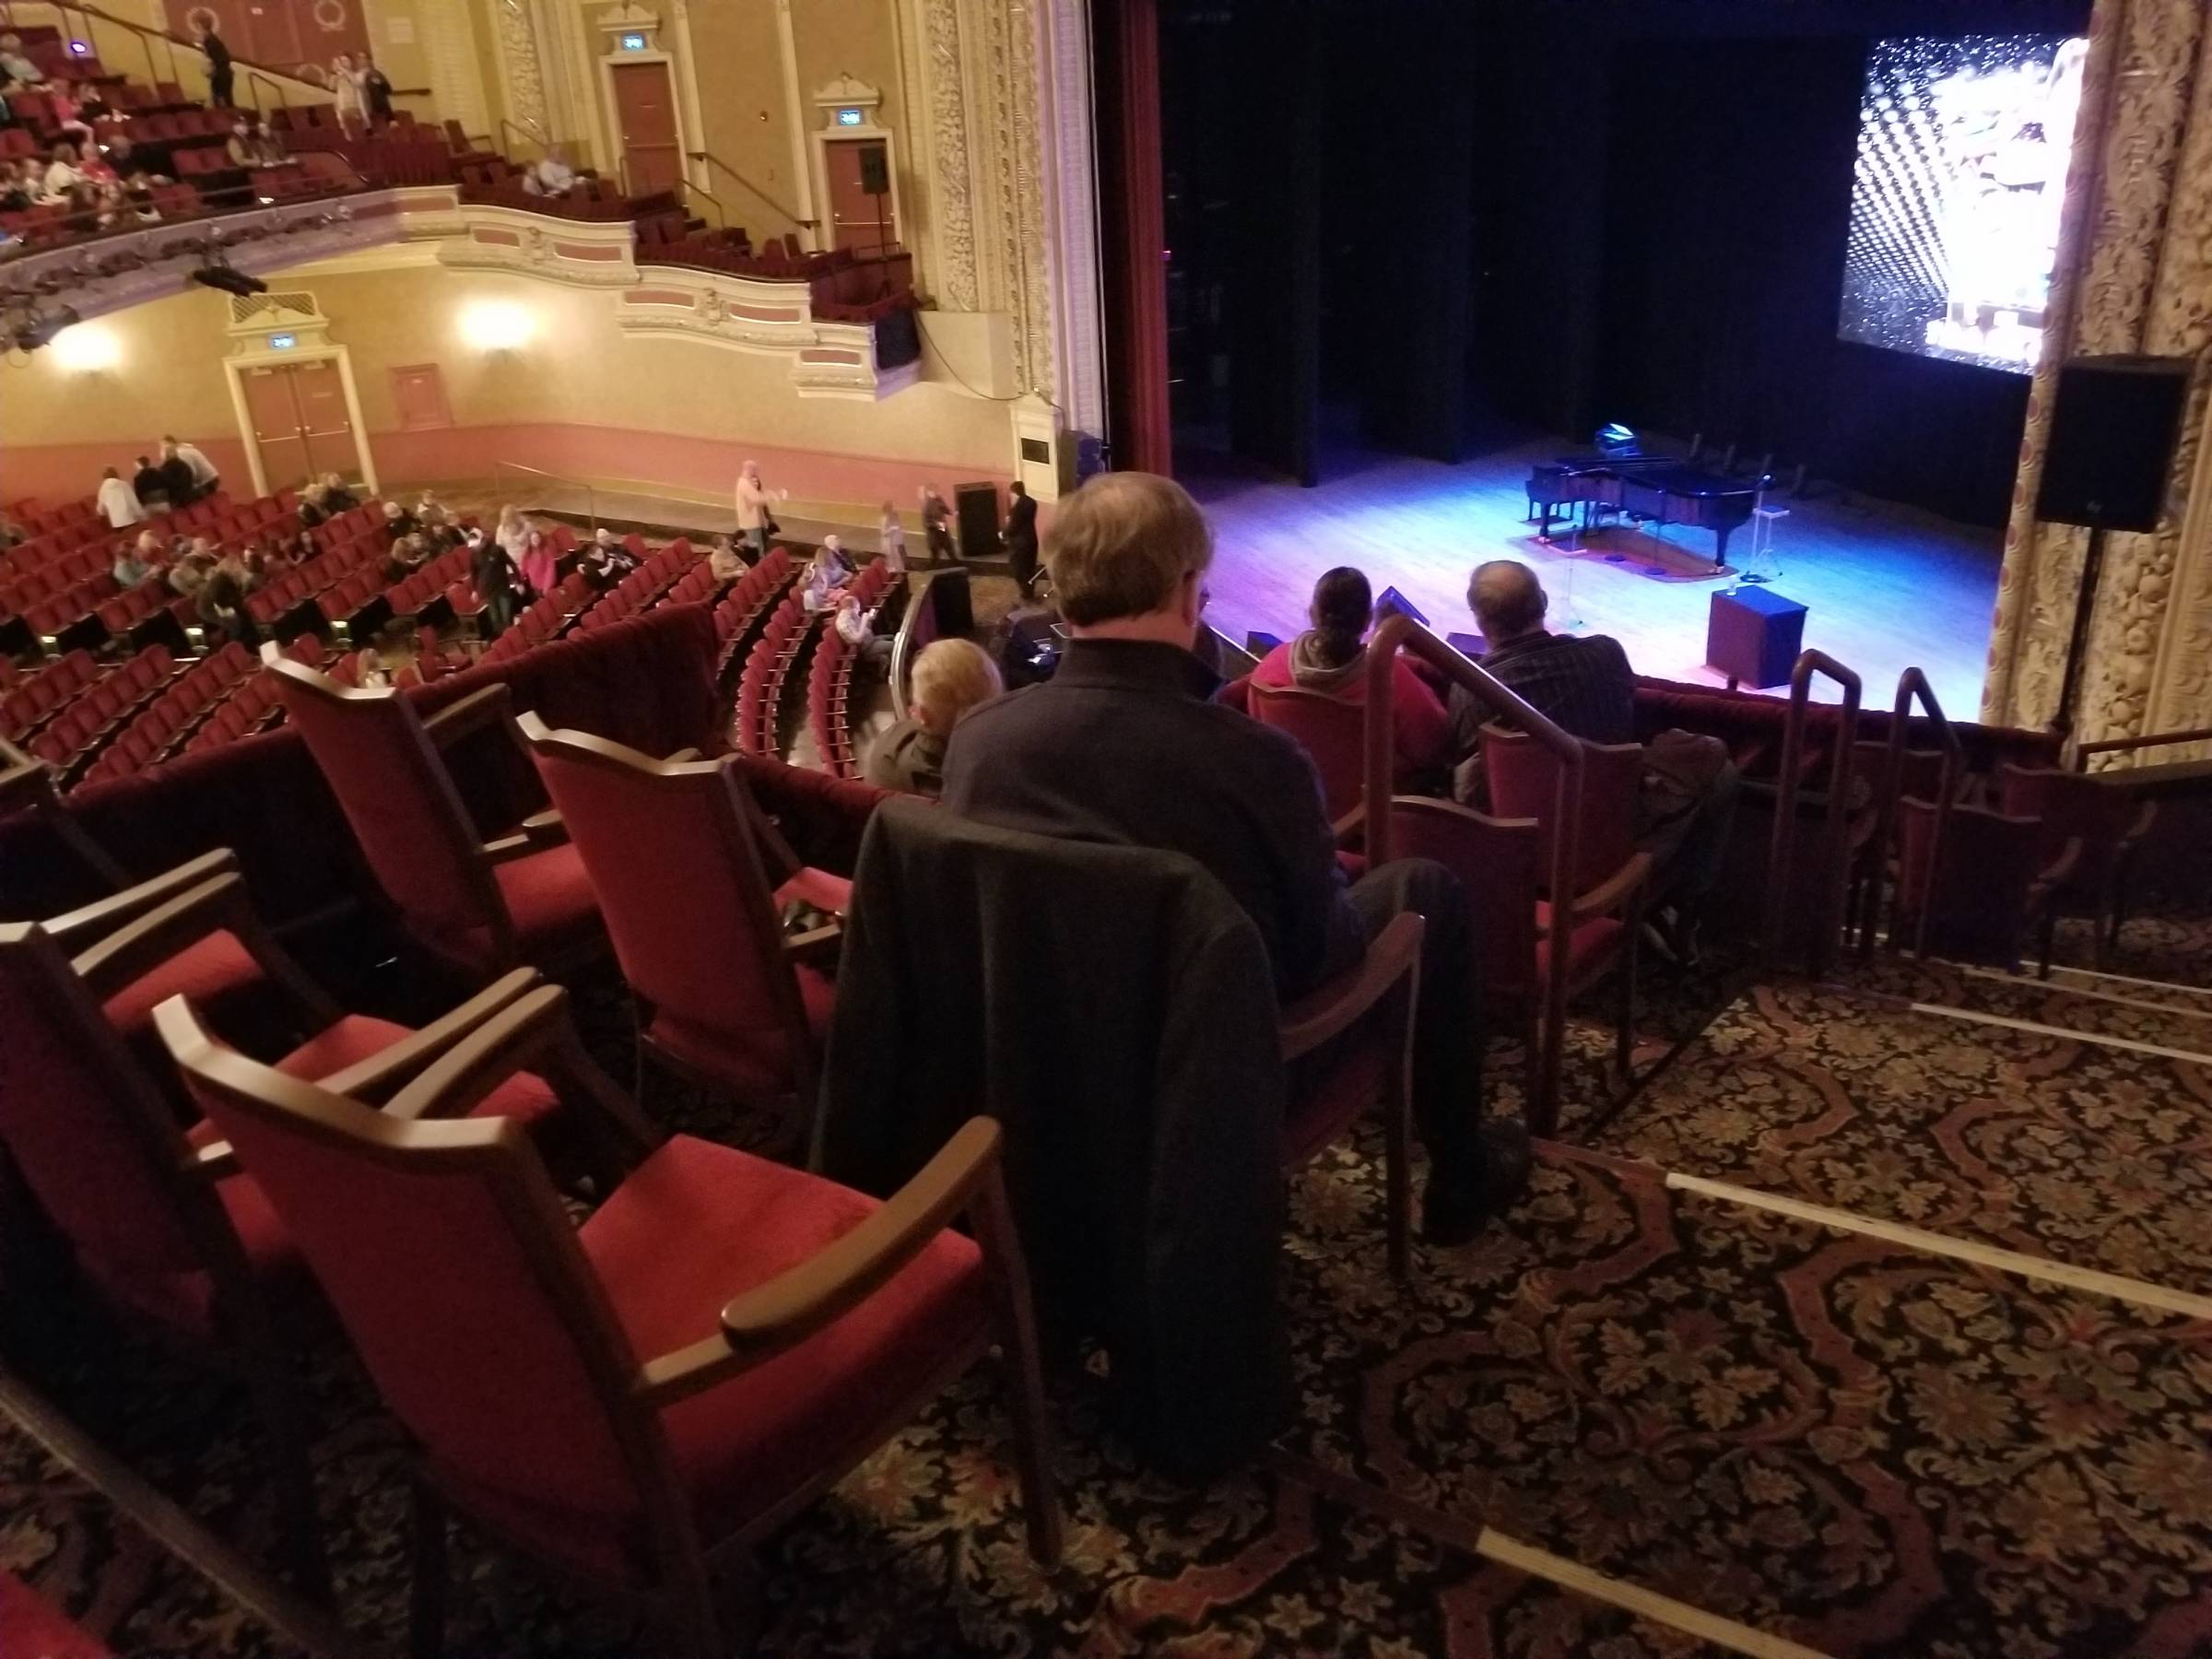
(1963, 146)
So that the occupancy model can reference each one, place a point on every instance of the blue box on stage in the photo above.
(1753, 636)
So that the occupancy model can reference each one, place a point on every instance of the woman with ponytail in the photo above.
(1331, 657)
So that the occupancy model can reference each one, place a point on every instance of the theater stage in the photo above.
(1888, 588)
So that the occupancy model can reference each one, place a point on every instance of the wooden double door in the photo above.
(302, 424)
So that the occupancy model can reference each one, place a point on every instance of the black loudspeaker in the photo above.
(2114, 428)
(976, 506)
(875, 170)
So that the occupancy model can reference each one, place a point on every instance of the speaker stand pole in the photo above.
(2085, 603)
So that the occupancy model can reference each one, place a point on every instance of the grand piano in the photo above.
(1653, 488)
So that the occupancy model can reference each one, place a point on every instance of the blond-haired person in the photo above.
(1126, 743)
(949, 677)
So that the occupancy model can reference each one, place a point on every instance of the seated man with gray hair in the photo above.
(1583, 685)
(1126, 745)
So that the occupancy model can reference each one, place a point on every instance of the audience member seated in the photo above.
(857, 627)
(312, 511)
(1126, 745)
(128, 570)
(725, 564)
(550, 177)
(1331, 658)
(606, 560)
(1585, 685)
(221, 605)
(15, 68)
(949, 677)
(398, 521)
(827, 573)
(118, 502)
(189, 574)
(337, 497)
(62, 175)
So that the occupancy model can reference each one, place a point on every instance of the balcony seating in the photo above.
(635, 1400)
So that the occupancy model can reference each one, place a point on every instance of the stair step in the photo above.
(2033, 1141)
(2094, 1009)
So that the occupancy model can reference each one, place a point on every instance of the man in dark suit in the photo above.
(150, 484)
(1020, 536)
(1126, 745)
(219, 73)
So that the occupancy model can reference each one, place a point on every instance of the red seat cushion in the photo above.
(207, 972)
(31, 1626)
(819, 888)
(552, 902)
(1590, 947)
(698, 1224)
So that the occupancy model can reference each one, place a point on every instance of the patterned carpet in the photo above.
(1852, 1445)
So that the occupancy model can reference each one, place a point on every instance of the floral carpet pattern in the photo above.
(1841, 1441)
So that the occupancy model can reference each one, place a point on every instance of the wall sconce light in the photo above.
(86, 348)
(497, 325)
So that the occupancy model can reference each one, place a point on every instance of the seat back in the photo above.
(1523, 780)
(2073, 807)
(99, 1149)
(446, 1251)
(675, 860)
(1499, 862)
(400, 801)
(1975, 886)
(1332, 732)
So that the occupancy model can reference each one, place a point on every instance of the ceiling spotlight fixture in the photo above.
(222, 277)
(34, 329)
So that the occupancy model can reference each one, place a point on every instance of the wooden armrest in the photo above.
(215, 1161)
(509, 847)
(2055, 875)
(135, 950)
(1321, 1014)
(535, 1033)
(98, 917)
(793, 1306)
(682, 757)
(2145, 816)
(816, 945)
(545, 829)
(1616, 890)
(1350, 825)
(479, 709)
(390, 1065)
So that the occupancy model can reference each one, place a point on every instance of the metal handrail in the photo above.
(591, 491)
(547, 146)
(147, 33)
(721, 214)
(711, 159)
(1912, 685)
(1401, 632)
(2121, 746)
(1782, 856)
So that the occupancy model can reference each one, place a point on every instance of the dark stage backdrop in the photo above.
(1461, 219)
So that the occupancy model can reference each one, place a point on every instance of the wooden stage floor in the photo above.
(1888, 588)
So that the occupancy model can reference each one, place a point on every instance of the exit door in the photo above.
(300, 423)
(645, 116)
(860, 189)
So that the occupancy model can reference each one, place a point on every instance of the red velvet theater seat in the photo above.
(633, 1401)
(681, 860)
(456, 895)
(32, 1627)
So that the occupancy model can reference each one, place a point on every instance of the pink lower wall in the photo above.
(693, 465)
(57, 472)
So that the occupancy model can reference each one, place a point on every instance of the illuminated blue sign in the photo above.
(283, 342)
(633, 43)
(848, 118)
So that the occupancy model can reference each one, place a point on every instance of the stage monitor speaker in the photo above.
(976, 506)
(2114, 428)
(1753, 635)
(875, 171)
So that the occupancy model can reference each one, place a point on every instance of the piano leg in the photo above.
(1719, 545)
(1543, 510)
